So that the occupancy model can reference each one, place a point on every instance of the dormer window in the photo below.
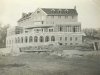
(67, 11)
(52, 10)
(59, 11)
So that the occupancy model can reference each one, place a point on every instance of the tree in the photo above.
(91, 32)
(3, 33)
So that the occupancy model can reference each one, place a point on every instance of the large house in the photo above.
(45, 26)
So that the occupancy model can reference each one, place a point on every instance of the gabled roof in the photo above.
(48, 11)
(52, 11)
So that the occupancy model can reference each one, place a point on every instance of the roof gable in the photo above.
(39, 9)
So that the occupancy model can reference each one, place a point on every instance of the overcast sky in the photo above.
(88, 10)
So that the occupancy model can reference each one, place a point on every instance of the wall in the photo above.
(61, 20)
(13, 46)
(35, 17)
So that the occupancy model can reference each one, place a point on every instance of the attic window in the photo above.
(52, 10)
(59, 11)
(38, 11)
(67, 10)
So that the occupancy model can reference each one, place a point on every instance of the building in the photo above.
(45, 26)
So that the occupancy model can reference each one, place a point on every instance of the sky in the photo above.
(88, 10)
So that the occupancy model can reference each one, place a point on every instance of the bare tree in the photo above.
(3, 33)
(91, 32)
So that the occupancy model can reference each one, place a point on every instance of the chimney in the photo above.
(75, 7)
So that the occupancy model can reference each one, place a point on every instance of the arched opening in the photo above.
(35, 39)
(30, 39)
(46, 38)
(41, 39)
(52, 38)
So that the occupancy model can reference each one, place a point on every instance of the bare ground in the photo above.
(44, 64)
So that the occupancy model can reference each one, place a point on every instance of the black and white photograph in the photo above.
(49, 37)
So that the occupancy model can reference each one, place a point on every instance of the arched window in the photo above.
(46, 38)
(41, 38)
(30, 39)
(18, 40)
(26, 39)
(52, 38)
(21, 39)
(35, 39)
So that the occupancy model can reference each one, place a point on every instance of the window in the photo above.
(66, 10)
(41, 39)
(52, 38)
(26, 31)
(9, 41)
(65, 38)
(42, 30)
(78, 29)
(60, 38)
(76, 38)
(65, 43)
(61, 28)
(71, 44)
(18, 40)
(52, 10)
(35, 39)
(15, 40)
(38, 11)
(46, 38)
(68, 28)
(26, 40)
(42, 22)
(70, 38)
(50, 30)
(59, 11)
(74, 29)
(60, 44)
(30, 39)
(21, 39)
(12, 41)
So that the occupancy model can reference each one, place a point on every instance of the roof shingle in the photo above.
(48, 11)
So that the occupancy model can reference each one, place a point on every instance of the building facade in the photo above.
(45, 26)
